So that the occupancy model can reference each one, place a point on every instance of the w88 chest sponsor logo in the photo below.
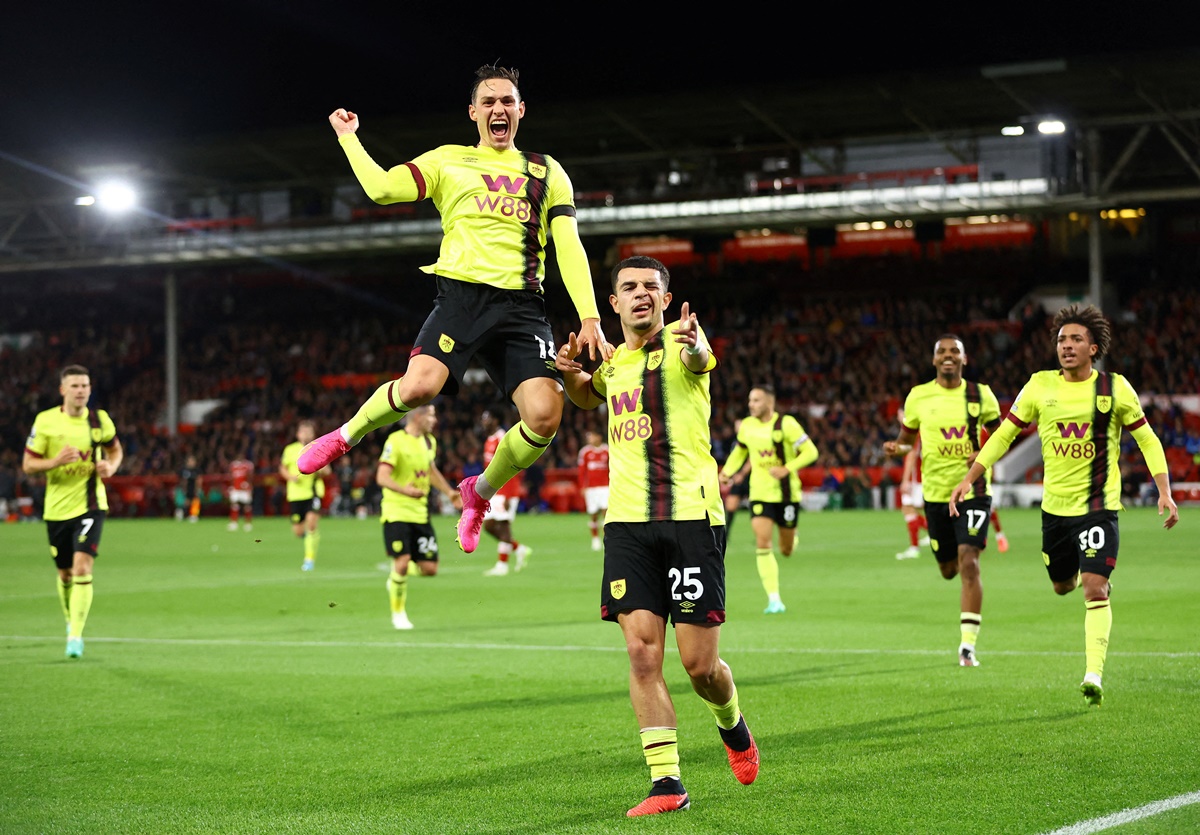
(510, 203)
(634, 427)
(1070, 448)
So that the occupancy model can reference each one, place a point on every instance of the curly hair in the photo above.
(1099, 330)
(490, 71)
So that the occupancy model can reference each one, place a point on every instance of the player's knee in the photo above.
(703, 672)
(644, 659)
(1064, 586)
(949, 570)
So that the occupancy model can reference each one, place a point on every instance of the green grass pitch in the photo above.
(223, 690)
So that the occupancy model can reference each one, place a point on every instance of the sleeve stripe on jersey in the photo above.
(1137, 424)
(561, 211)
(34, 454)
(419, 178)
(1022, 424)
(911, 429)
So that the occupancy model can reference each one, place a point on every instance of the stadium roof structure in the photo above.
(1132, 122)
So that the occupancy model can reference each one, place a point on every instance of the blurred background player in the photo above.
(241, 493)
(776, 446)
(76, 448)
(407, 468)
(593, 482)
(304, 494)
(948, 416)
(911, 503)
(187, 501)
(502, 510)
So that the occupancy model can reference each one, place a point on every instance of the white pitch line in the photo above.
(236, 642)
(1128, 815)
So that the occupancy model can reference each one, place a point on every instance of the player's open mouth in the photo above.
(499, 129)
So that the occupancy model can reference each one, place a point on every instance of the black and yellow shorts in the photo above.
(674, 569)
(783, 514)
(416, 539)
(71, 535)
(969, 527)
(301, 508)
(506, 331)
(1087, 543)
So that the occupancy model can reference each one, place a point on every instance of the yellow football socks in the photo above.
(64, 597)
(768, 570)
(727, 714)
(1097, 624)
(397, 586)
(311, 540)
(519, 448)
(660, 747)
(382, 408)
(970, 622)
(81, 604)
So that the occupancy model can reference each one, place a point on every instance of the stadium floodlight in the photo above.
(1012, 130)
(1051, 126)
(116, 196)
(85, 200)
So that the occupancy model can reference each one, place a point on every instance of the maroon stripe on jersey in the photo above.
(536, 191)
(785, 484)
(660, 475)
(34, 454)
(392, 400)
(979, 488)
(419, 177)
(1100, 421)
(1137, 424)
(1020, 423)
(531, 441)
(94, 422)
(912, 430)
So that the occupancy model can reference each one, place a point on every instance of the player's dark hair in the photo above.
(765, 388)
(1099, 330)
(642, 262)
(953, 336)
(73, 371)
(490, 71)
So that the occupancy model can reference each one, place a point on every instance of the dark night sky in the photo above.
(106, 72)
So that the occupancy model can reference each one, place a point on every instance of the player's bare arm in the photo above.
(114, 454)
(1166, 503)
(32, 465)
(592, 336)
(902, 445)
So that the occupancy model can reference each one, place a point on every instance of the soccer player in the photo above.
(189, 498)
(497, 205)
(777, 447)
(502, 509)
(304, 494)
(1080, 411)
(911, 503)
(945, 418)
(593, 481)
(407, 468)
(664, 537)
(76, 448)
(241, 487)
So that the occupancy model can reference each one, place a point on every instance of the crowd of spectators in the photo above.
(841, 354)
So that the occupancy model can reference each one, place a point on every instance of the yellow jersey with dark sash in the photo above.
(411, 457)
(496, 208)
(950, 423)
(302, 487)
(774, 442)
(1080, 428)
(72, 489)
(660, 453)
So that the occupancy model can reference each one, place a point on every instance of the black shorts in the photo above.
(506, 329)
(1087, 543)
(783, 514)
(303, 507)
(969, 527)
(416, 539)
(674, 569)
(79, 534)
(740, 488)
